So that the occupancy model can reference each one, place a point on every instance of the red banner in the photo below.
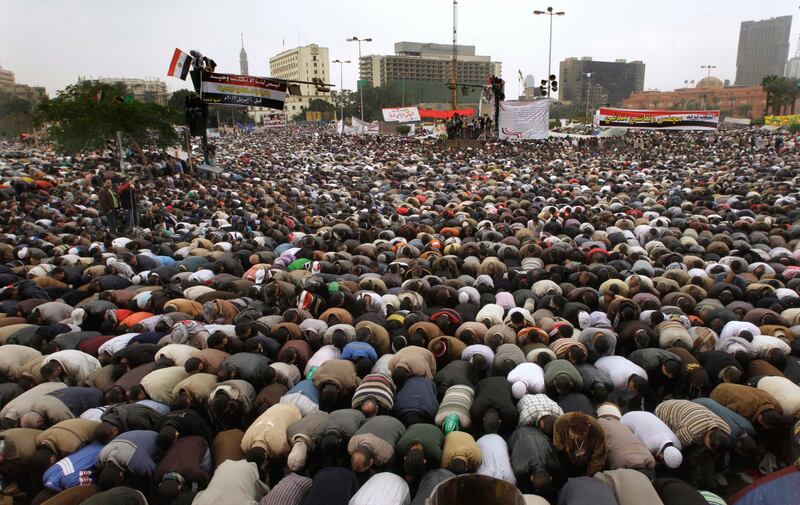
(445, 114)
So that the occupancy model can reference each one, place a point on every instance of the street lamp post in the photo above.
(550, 50)
(360, 91)
(588, 90)
(341, 87)
(708, 80)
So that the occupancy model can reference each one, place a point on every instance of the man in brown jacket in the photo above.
(61, 440)
(336, 380)
(109, 203)
(582, 439)
(759, 406)
(412, 361)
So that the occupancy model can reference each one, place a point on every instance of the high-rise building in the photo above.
(420, 71)
(143, 90)
(763, 49)
(610, 82)
(792, 70)
(302, 64)
(243, 66)
(9, 84)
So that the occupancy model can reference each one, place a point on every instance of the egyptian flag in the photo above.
(180, 64)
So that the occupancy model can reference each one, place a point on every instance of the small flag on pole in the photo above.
(180, 64)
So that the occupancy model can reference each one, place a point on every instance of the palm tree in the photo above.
(781, 91)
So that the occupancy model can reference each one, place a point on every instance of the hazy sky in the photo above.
(52, 42)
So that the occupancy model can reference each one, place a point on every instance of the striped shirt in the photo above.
(534, 407)
(377, 386)
(289, 491)
(690, 421)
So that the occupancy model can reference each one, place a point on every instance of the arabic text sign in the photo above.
(401, 114)
(524, 120)
(781, 120)
(228, 89)
(659, 119)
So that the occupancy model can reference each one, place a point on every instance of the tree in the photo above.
(16, 115)
(178, 99)
(781, 91)
(319, 105)
(85, 115)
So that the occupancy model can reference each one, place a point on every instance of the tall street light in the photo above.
(550, 51)
(360, 90)
(708, 81)
(341, 86)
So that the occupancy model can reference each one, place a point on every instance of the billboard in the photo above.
(229, 89)
(658, 119)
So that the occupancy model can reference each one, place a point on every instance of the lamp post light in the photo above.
(708, 81)
(341, 86)
(550, 50)
(360, 91)
(588, 91)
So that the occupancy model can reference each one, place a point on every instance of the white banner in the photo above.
(524, 120)
(362, 127)
(401, 114)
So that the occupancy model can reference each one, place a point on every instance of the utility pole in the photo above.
(341, 87)
(453, 72)
(360, 90)
(588, 91)
(708, 80)
(550, 50)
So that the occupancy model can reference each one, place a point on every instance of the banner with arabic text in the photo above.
(401, 114)
(229, 89)
(781, 120)
(520, 120)
(658, 119)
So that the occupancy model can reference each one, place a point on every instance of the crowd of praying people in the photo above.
(341, 320)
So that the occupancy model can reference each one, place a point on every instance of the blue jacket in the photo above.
(135, 451)
(79, 399)
(355, 350)
(417, 396)
(738, 423)
(306, 388)
(74, 470)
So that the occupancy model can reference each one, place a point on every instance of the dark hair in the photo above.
(732, 375)
(640, 384)
(548, 424)
(256, 455)
(479, 361)
(770, 419)
(673, 367)
(599, 393)
(414, 463)
(504, 368)
(329, 395)
(720, 441)
(242, 328)
(168, 490)
(491, 420)
(748, 448)
(40, 461)
(49, 369)
(193, 365)
(363, 366)
(458, 466)
(339, 338)
(166, 437)
(330, 443)
(541, 481)
(399, 376)
(562, 384)
(104, 432)
(746, 335)
(777, 358)
(111, 476)
(576, 354)
(215, 340)
(134, 392)
(601, 344)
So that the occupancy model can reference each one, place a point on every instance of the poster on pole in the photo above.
(658, 119)
(401, 114)
(229, 89)
(524, 120)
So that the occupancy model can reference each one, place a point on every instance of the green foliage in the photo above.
(78, 121)
(318, 105)
(178, 99)
(403, 129)
(794, 128)
(16, 115)
(781, 91)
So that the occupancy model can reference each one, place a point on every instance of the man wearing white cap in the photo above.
(654, 434)
(526, 378)
(623, 449)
